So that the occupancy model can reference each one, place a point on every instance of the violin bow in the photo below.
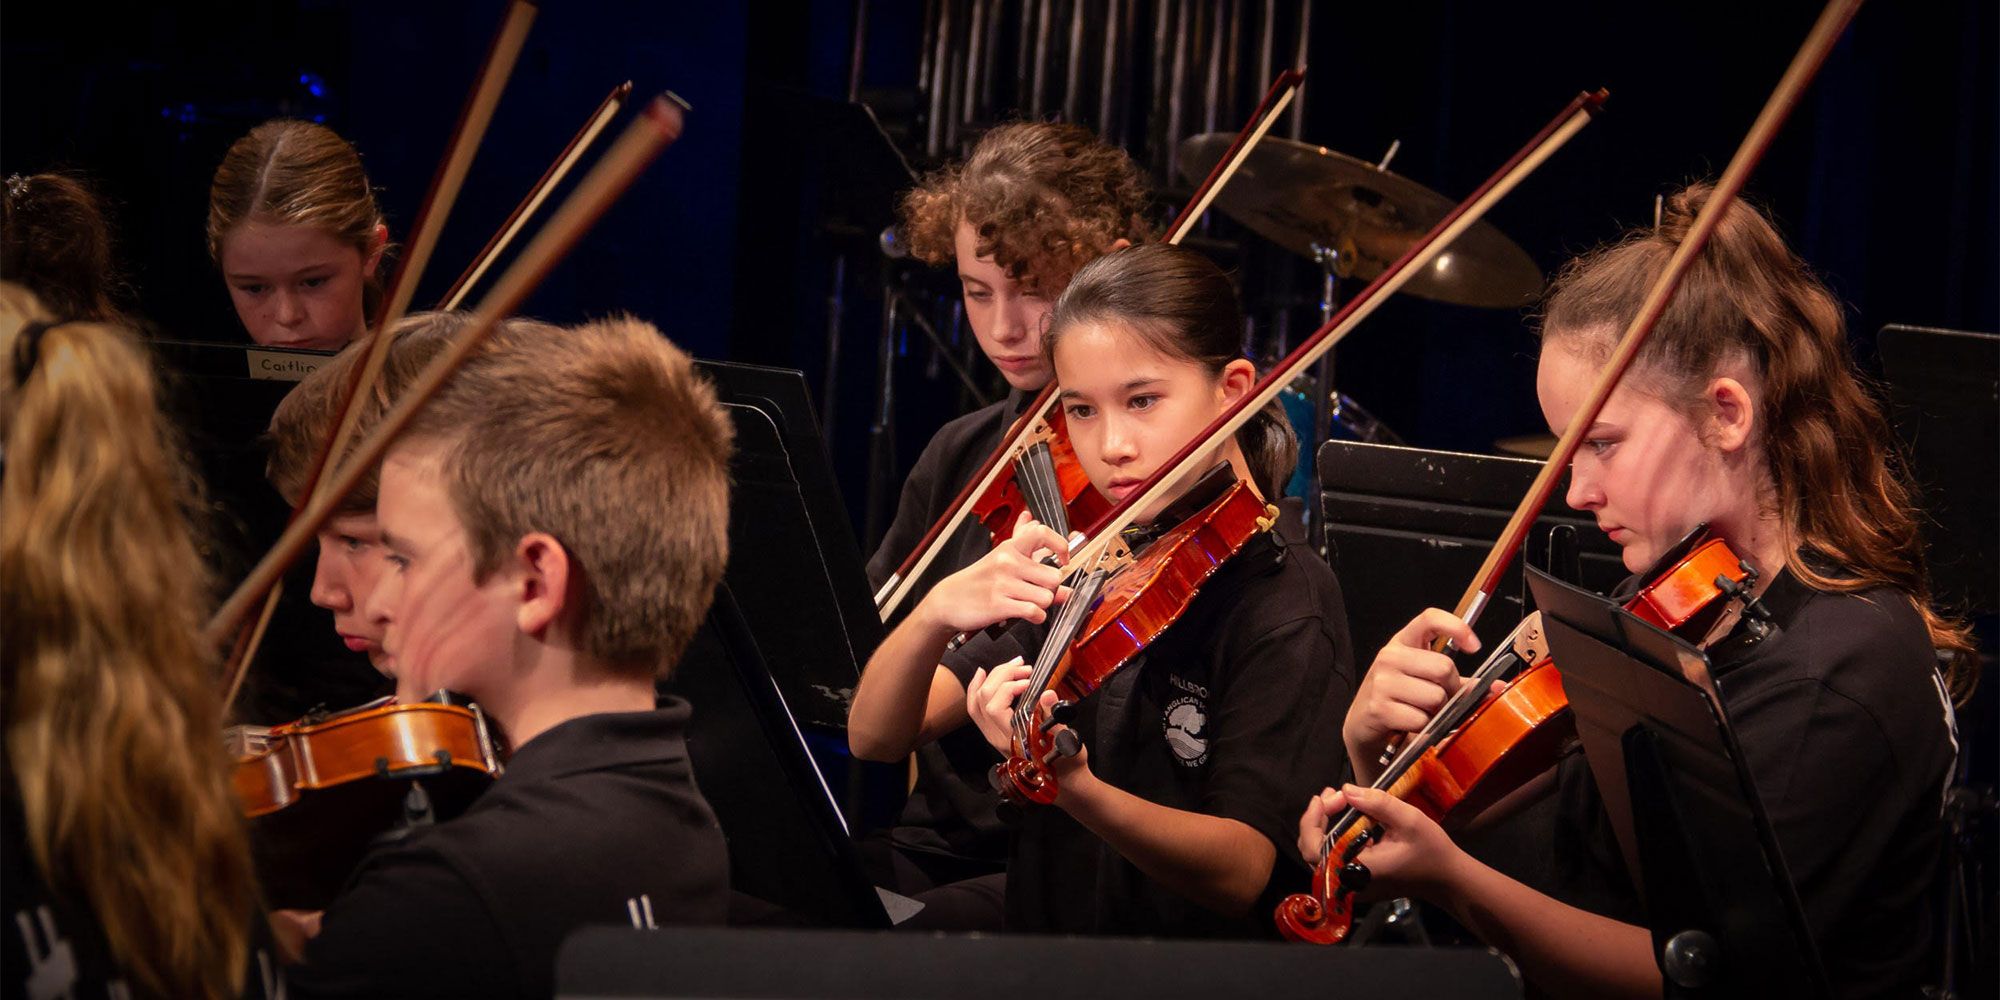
(473, 119)
(1812, 54)
(1168, 476)
(900, 583)
(579, 144)
(649, 134)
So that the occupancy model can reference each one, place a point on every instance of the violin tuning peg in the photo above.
(1061, 713)
(1068, 743)
(1355, 876)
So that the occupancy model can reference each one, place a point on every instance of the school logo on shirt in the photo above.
(1185, 724)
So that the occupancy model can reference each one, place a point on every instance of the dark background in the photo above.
(1885, 179)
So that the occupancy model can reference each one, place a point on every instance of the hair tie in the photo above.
(17, 185)
(28, 349)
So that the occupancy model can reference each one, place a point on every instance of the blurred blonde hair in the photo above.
(112, 707)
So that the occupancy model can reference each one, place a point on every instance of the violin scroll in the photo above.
(1304, 918)
(1024, 778)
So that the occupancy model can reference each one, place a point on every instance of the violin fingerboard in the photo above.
(1035, 471)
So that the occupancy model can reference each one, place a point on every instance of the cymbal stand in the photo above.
(1328, 259)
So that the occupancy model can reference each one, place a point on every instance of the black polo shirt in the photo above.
(1234, 711)
(596, 821)
(951, 808)
(1849, 737)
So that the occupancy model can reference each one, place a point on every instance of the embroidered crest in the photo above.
(1185, 724)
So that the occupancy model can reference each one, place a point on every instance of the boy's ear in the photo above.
(544, 570)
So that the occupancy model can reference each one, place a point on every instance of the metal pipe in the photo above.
(953, 72)
(858, 53)
(1298, 60)
(1157, 121)
(974, 60)
(1178, 86)
(934, 134)
(1023, 56)
(1107, 77)
(1043, 39)
(1211, 91)
(989, 72)
(927, 43)
(1233, 58)
(1128, 57)
(1073, 72)
(1268, 38)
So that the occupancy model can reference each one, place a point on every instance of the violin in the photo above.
(1114, 612)
(1481, 747)
(321, 790)
(278, 766)
(1048, 482)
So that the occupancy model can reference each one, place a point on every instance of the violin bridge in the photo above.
(1270, 517)
(1530, 641)
(1116, 553)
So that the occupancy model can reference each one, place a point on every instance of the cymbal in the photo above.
(1528, 445)
(1299, 195)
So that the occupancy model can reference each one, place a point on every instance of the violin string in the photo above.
(1024, 474)
(1062, 631)
(1447, 719)
(1036, 471)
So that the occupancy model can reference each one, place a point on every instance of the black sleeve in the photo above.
(983, 652)
(409, 925)
(916, 509)
(1275, 732)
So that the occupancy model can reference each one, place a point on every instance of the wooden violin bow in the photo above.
(579, 144)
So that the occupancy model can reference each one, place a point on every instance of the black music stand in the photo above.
(602, 962)
(794, 565)
(782, 649)
(1944, 393)
(791, 858)
(1725, 916)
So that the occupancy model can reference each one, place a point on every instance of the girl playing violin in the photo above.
(1174, 820)
(1032, 203)
(1743, 411)
(125, 865)
(292, 223)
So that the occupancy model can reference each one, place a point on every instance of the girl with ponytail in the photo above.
(1743, 411)
(1175, 819)
(126, 859)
